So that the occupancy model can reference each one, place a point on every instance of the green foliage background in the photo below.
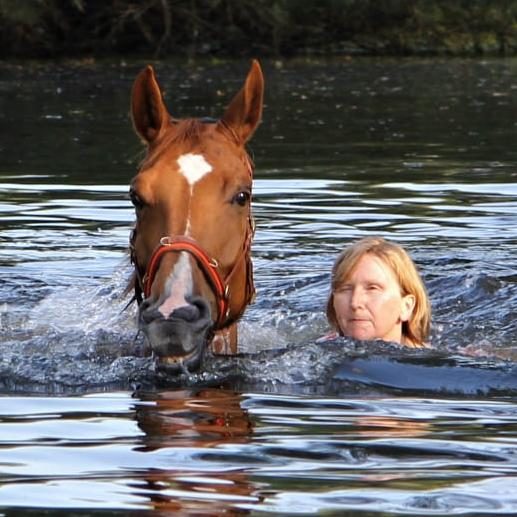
(236, 28)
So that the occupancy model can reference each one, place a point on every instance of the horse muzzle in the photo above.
(178, 341)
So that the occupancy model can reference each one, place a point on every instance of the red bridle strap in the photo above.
(207, 264)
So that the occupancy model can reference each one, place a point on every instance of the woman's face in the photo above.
(369, 304)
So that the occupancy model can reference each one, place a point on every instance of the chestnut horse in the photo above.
(191, 242)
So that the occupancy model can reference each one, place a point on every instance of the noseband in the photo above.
(219, 284)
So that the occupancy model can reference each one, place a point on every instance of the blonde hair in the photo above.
(414, 331)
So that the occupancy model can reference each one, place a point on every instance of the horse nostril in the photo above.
(202, 307)
(148, 313)
(187, 313)
(196, 310)
(144, 305)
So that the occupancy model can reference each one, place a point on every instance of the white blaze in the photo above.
(179, 284)
(193, 167)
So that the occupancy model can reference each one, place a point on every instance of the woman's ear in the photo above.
(407, 306)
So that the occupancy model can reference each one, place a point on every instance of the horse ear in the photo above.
(244, 112)
(148, 110)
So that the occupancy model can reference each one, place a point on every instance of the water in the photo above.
(216, 452)
(421, 152)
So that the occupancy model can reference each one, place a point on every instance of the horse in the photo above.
(191, 242)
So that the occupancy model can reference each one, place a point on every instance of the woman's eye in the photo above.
(242, 198)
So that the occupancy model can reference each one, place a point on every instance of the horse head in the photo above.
(191, 242)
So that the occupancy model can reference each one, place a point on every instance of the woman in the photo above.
(377, 293)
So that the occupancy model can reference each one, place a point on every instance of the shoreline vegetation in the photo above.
(50, 29)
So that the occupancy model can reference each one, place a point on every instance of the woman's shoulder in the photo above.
(329, 336)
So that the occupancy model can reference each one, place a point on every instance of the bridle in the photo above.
(219, 283)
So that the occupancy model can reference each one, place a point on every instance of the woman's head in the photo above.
(377, 293)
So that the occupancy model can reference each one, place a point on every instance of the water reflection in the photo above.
(203, 417)
(211, 451)
(192, 420)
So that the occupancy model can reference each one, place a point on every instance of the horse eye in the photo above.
(136, 199)
(242, 197)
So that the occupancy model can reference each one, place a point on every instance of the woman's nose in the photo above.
(357, 299)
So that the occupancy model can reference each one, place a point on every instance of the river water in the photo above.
(419, 151)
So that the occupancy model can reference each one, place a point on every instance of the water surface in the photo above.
(421, 152)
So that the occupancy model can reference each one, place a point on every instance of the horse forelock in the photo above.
(188, 134)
